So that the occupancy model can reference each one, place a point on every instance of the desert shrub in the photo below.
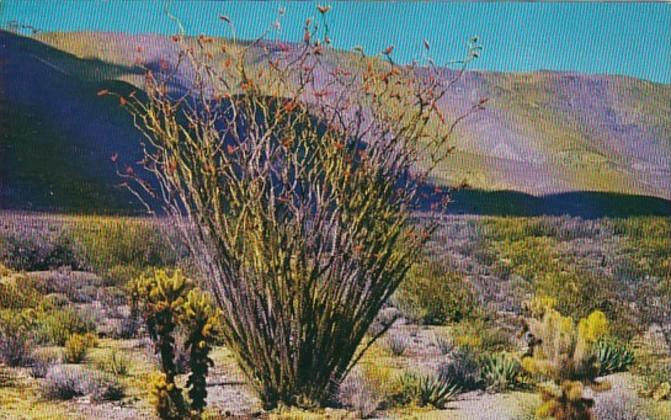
(360, 394)
(77, 286)
(54, 327)
(626, 270)
(34, 251)
(127, 327)
(301, 221)
(641, 227)
(64, 382)
(577, 293)
(57, 281)
(102, 386)
(91, 339)
(566, 403)
(76, 347)
(64, 253)
(42, 360)
(619, 405)
(383, 321)
(433, 296)
(377, 380)
(464, 368)
(18, 293)
(115, 363)
(93, 314)
(425, 390)
(482, 251)
(443, 343)
(4, 270)
(653, 370)
(501, 372)
(86, 294)
(530, 257)
(396, 343)
(112, 297)
(500, 229)
(55, 301)
(120, 275)
(107, 243)
(653, 298)
(7, 377)
(481, 334)
(613, 356)
(562, 228)
(15, 336)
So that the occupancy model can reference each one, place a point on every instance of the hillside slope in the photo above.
(547, 143)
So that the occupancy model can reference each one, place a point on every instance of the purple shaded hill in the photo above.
(548, 143)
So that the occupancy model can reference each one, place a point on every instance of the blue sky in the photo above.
(614, 38)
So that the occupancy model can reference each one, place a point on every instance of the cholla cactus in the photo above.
(566, 403)
(169, 301)
(564, 352)
(201, 320)
(160, 295)
(167, 398)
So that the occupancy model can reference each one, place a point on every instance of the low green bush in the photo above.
(115, 363)
(120, 275)
(652, 368)
(579, 293)
(433, 295)
(54, 327)
(359, 394)
(482, 335)
(529, 258)
(107, 243)
(18, 292)
(76, 347)
(54, 301)
(15, 336)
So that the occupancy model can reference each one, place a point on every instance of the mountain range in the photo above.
(547, 143)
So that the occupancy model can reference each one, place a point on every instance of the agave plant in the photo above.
(501, 372)
(427, 390)
(613, 357)
(437, 390)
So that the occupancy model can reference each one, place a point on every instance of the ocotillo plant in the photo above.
(293, 172)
